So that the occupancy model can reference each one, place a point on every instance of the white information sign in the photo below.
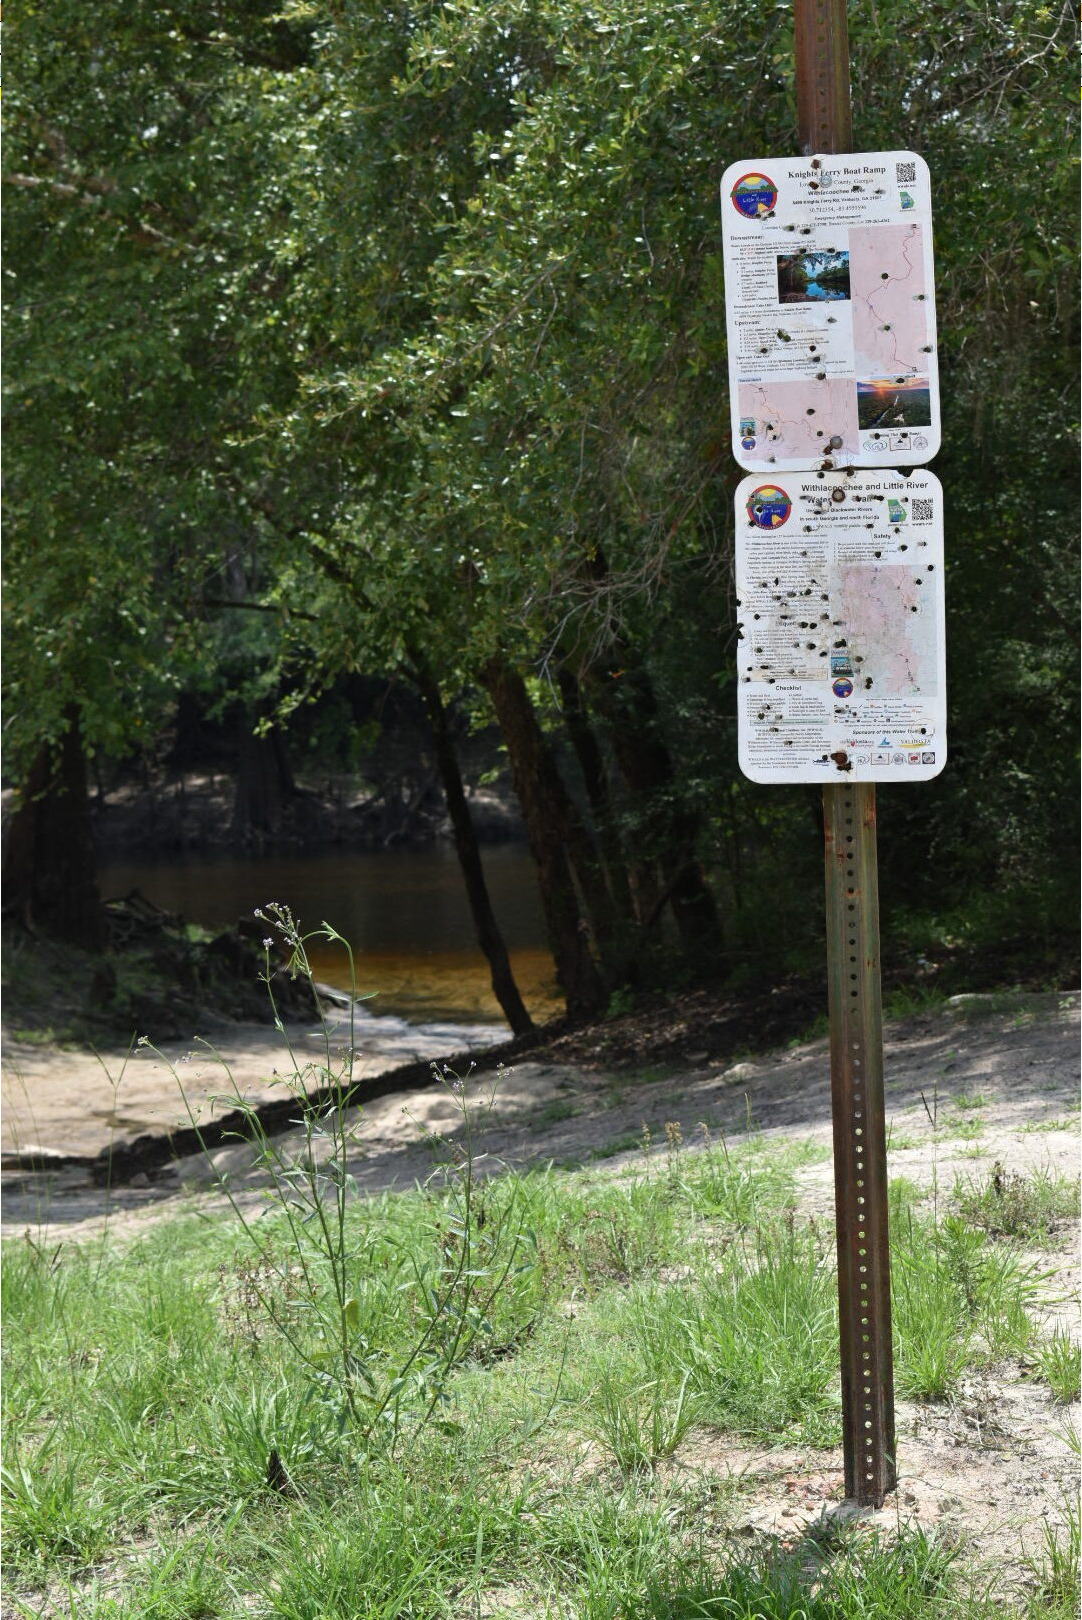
(831, 311)
(841, 659)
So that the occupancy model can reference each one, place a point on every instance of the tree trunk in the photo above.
(629, 705)
(595, 777)
(557, 839)
(264, 781)
(50, 863)
(469, 855)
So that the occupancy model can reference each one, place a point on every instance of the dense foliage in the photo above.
(405, 325)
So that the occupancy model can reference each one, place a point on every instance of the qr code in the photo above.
(906, 173)
(922, 511)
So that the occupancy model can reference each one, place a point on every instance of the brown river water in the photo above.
(404, 913)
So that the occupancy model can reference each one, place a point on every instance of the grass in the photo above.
(148, 1393)
(552, 1113)
(432, 1403)
(1007, 1203)
(911, 1002)
(626, 1142)
(965, 1130)
(965, 1099)
(1060, 1361)
(1056, 1571)
(1065, 1122)
(35, 1037)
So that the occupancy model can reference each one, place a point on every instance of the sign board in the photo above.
(841, 658)
(830, 307)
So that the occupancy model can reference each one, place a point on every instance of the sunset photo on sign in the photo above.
(885, 402)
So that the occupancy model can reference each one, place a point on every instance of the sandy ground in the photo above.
(82, 1102)
(981, 1080)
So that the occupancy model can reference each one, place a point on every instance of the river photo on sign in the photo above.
(810, 278)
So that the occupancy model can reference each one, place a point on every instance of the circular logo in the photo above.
(754, 195)
(769, 506)
(747, 444)
(842, 688)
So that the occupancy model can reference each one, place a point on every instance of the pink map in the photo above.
(890, 304)
(798, 419)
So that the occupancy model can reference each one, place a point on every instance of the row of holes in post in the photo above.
(856, 1058)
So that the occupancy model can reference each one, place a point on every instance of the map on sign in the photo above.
(831, 311)
(839, 583)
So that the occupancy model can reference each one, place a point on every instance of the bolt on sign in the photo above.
(830, 309)
(841, 657)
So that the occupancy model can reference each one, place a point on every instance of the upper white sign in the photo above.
(830, 308)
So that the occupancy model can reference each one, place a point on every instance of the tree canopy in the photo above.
(404, 324)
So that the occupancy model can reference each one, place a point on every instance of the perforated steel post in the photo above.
(824, 113)
(821, 46)
(860, 1147)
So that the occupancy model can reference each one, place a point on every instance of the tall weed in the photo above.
(317, 1292)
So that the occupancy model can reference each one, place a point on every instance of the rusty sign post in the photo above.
(838, 550)
(824, 115)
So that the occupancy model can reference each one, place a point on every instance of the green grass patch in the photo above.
(911, 1001)
(1008, 1203)
(626, 1142)
(1063, 1122)
(1060, 1361)
(553, 1113)
(966, 1099)
(965, 1130)
(168, 1426)
(346, 1408)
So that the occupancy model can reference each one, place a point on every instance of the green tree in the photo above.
(128, 171)
(420, 311)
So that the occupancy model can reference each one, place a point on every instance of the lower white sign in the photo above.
(841, 658)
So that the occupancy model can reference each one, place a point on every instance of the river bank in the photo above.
(78, 1121)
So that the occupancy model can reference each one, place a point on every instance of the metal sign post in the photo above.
(860, 1148)
(855, 997)
(834, 405)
